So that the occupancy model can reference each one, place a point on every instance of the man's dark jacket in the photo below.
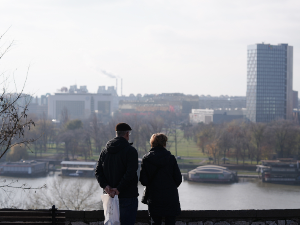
(161, 175)
(117, 167)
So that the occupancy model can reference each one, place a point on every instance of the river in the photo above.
(246, 194)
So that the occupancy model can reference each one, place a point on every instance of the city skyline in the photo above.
(155, 47)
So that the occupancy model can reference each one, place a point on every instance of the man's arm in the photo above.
(99, 173)
(131, 168)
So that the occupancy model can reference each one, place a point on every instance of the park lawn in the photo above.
(185, 148)
(189, 161)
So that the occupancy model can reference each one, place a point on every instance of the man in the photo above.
(116, 173)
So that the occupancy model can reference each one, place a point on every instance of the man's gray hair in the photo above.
(121, 133)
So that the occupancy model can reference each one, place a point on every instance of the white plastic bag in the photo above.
(111, 210)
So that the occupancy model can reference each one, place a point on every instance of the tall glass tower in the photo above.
(269, 82)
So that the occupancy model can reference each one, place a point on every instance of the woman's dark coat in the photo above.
(161, 175)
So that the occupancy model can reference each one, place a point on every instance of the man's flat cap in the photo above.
(123, 127)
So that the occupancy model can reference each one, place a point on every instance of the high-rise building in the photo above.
(269, 82)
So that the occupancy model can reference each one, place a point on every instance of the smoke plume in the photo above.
(109, 74)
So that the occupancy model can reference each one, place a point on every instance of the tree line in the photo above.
(246, 141)
(238, 140)
(73, 138)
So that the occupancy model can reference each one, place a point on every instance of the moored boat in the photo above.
(78, 168)
(212, 173)
(23, 168)
(284, 170)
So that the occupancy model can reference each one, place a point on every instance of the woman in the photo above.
(161, 176)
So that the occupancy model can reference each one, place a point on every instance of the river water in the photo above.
(246, 194)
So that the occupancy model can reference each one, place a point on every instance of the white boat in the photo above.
(212, 173)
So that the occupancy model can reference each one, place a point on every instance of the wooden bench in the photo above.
(45, 217)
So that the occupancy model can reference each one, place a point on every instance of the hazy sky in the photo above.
(192, 47)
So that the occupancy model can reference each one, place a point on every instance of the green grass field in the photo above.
(185, 148)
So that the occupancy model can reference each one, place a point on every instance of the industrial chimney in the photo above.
(117, 86)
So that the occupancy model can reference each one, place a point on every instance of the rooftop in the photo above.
(78, 163)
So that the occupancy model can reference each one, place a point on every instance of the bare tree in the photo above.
(225, 140)
(15, 185)
(172, 127)
(146, 133)
(8, 192)
(35, 146)
(204, 136)
(246, 140)
(156, 124)
(258, 137)
(85, 144)
(213, 147)
(172, 131)
(14, 125)
(45, 127)
(237, 141)
(14, 122)
(71, 135)
(282, 134)
(66, 194)
(64, 116)
(97, 132)
(7, 200)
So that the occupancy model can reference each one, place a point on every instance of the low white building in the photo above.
(216, 115)
(201, 116)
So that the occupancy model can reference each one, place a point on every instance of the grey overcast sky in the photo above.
(192, 46)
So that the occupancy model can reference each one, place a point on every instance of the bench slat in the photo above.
(37, 223)
(25, 214)
(7, 218)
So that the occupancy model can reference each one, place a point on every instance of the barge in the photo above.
(78, 169)
(283, 170)
(212, 173)
(24, 168)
